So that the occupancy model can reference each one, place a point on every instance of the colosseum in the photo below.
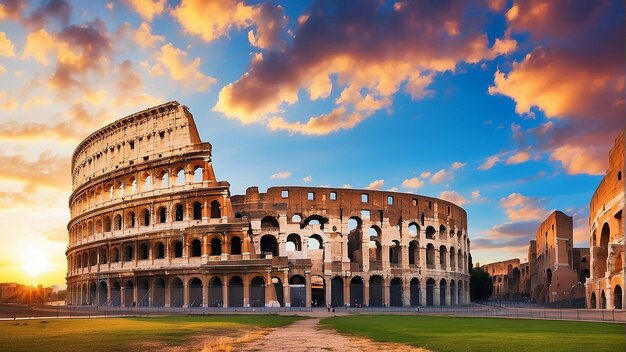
(152, 227)
(606, 209)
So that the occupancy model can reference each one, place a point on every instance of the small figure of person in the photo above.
(328, 307)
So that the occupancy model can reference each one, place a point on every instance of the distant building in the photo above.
(11, 292)
(604, 287)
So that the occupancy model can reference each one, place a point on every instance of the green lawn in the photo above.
(484, 334)
(116, 334)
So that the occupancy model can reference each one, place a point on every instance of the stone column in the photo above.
(122, 296)
(346, 292)
(246, 292)
(270, 294)
(406, 293)
(307, 282)
(366, 293)
(225, 291)
(436, 294)
(185, 294)
(386, 294)
(286, 290)
(386, 264)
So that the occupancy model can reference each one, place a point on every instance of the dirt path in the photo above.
(305, 335)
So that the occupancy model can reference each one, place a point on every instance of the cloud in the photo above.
(212, 19)
(147, 9)
(59, 10)
(425, 174)
(48, 170)
(6, 46)
(326, 56)
(307, 179)
(414, 183)
(574, 74)
(130, 88)
(175, 61)
(454, 197)
(457, 165)
(439, 176)
(518, 158)
(490, 162)
(376, 185)
(513, 236)
(521, 208)
(281, 175)
(144, 38)
(12, 9)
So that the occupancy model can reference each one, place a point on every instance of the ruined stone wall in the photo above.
(151, 226)
(605, 286)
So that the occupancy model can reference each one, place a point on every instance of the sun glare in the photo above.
(35, 262)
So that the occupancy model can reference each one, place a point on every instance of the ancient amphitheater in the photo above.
(152, 227)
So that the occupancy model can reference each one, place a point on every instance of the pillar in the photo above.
(246, 292)
(185, 294)
(386, 294)
(122, 295)
(366, 293)
(346, 292)
(225, 291)
(307, 280)
(436, 294)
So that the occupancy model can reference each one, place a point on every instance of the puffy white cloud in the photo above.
(454, 197)
(281, 175)
(376, 185)
(414, 183)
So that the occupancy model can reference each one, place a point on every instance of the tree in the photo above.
(481, 286)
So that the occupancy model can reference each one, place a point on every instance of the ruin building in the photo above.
(151, 226)
(604, 287)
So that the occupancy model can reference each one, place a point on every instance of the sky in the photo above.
(506, 108)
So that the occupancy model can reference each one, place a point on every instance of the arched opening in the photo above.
(293, 242)
(143, 292)
(128, 253)
(430, 292)
(602, 300)
(257, 292)
(318, 291)
(442, 232)
(584, 274)
(430, 256)
(296, 219)
(414, 288)
(618, 263)
(430, 233)
(162, 215)
(356, 292)
(117, 221)
(215, 292)
(376, 285)
(178, 249)
(116, 298)
(452, 259)
(147, 182)
(196, 248)
(235, 292)
(165, 179)
(178, 212)
(102, 293)
(115, 255)
(442, 292)
(395, 292)
(460, 260)
(414, 229)
(315, 242)
(269, 245)
(129, 293)
(176, 293)
(336, 292)
(354, 239)
(314, 220)
(216, 246)
(197, 211)
(195, 292)
(452, 293)
(593, 300)
(443, 254)
(278, 292)
(197, 174)
(235, 245)
(548, 277)
(216, 212)
(142, 253)
(130, 219)
(617, 297)
(395, 252)
(102, 255)
(413, 252)
(601, 254)
(180, 177)
(107, 224)
(159, 250)
(158, 292)
(146, 217)
(269, 222)
(297, 291)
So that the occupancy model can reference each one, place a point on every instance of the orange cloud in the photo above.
(48, 171)
(326, 54)
(454, 197)
(521, 208)
(213, 18)
(175, 61)
(375, 185)
(281, 175)
(414, 183)
(581, 159)
(144, 38)
(518, 158)
(490, 162)
(147, 9)
(6, 46)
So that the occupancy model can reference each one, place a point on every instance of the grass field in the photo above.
(119, 334)
(484, 334)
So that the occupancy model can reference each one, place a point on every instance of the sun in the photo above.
(35, 262)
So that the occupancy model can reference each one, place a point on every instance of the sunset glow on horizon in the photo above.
(506, 108)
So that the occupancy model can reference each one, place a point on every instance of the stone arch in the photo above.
(198, 173)
(413, 252)
(356, 291)
(158, 292)
(216, 246)
(145, 215)
(177, 248)
(197, 211)
(601, 254)
(294, 243)
(314, 220)
(355, 235)
(414, 229)
(180, 176)
(216, 290)
(395, 292)
(442, 292)
(430, 232)
(277, 292)
(376, 288)
(414, 288)
(315, 242)
(102, 293)
(143, 292)
(257, 292)
(297, 290)
(235, 292)
(443, 254)
(142, 251)
(602, 300)
(117, 222)
(216, 210)
(430, 292)
(269, 244)
(430, 256)
(617, 297)
(176, 292)
(129, 294)
(442, 231)
(452, 259)
(318, 291)
(159, 250)
(452, 293)
(107, 223)
(129, 251)
(593, 300)
(116, 291)
(196, 248)
(269, 222)
(115, 255)
(336, 292)
(178, 212)
(235, 245)
(130, 220)
(195, 292)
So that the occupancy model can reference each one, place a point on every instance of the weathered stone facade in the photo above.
(608, 279)
(151, 226)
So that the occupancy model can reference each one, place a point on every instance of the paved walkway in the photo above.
(307, 335)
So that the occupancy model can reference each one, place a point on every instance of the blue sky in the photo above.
(506, 108)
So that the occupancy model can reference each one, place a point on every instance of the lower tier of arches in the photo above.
(276, 289)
